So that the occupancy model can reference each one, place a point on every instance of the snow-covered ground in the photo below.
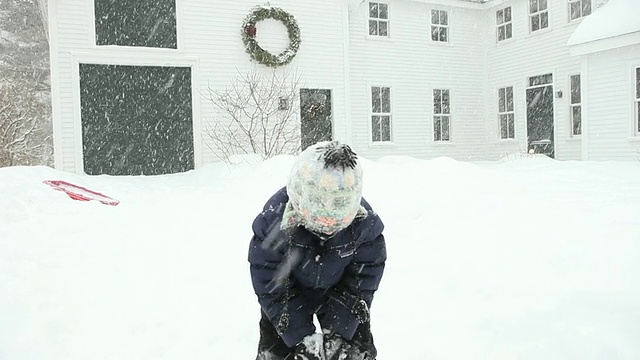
(523, 259)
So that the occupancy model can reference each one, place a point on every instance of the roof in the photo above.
(616, 18)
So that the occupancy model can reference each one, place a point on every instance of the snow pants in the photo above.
(271, 346)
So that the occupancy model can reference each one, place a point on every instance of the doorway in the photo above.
(540, 122)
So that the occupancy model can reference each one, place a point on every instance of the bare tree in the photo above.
(25, 101)
(23, 141)
(256, 114)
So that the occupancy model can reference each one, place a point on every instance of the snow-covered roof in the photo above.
(616, 18)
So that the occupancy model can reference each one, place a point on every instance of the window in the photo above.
(378, 19)
(144, 23)
(503, 22)
(538, 15)
(637, 105)
(439, 26)
(159, 141)
(579, 8)
(506, 113)
(441, 115)
(575, 104)
(380, 113)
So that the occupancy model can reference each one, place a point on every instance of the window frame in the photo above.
(439, 116)
(582, 9)
(504, 24)
(378, 20)
(439, 26)
(538, 13)
(505, 112)
(575, 105)
(636, 105)
(379, 131)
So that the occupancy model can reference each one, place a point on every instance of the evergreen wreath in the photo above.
(249, 36)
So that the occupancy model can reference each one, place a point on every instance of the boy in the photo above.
(317, 249)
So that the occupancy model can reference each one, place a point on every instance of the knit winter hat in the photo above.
(325, 189)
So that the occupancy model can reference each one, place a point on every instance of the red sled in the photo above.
(80, 193)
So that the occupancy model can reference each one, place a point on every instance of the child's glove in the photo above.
(335, 347)
(310, 348)
(361, 311)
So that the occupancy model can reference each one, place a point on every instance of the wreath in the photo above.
(249, 36)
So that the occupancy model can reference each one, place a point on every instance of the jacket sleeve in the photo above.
(272, 283)
(360, 280)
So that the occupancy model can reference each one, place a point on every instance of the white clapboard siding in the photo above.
(413, 66)
(611, 99)
(511, 62)
(209, 41)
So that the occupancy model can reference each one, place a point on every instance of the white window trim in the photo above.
(128, 59)
(539, 12)
(582, 16)
(506, 112)
(448, 29)
(573, 105)
(504, 25)
(447, 115)
(387, 20)
(372, 114)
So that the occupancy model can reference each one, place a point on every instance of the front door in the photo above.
(315, 116)
(540, 115)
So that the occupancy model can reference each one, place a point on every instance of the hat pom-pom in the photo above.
(338, 155)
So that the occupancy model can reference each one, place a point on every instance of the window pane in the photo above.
(574, 11)
(373, 27)
(445, 128)
(535, 23)
(383, 11)
(445, 102)
(434, 33)
(500, 17)
(510, 98)
(638, 117)
(373, 10)
(501, 100)
(443, 34)
(544, 20)
(504, 131)
(511, 126)
(542, 5)
(533, 6)
(386, 128)
(501, 33)
(586, 7)
(576, 118)
(386, 100)
(437, 102)
(508, 32)
(444, 18)
(637, 83)
(375, 128)
(507, 14)
(575, 89)
(434, 17)
(143, 23)
(383, 28)
(375, 100)
(548, 78)
(437, 131)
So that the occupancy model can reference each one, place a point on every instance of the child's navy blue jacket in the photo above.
(296, 274)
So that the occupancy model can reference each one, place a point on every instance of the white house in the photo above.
(609, 45)
(472, 80)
